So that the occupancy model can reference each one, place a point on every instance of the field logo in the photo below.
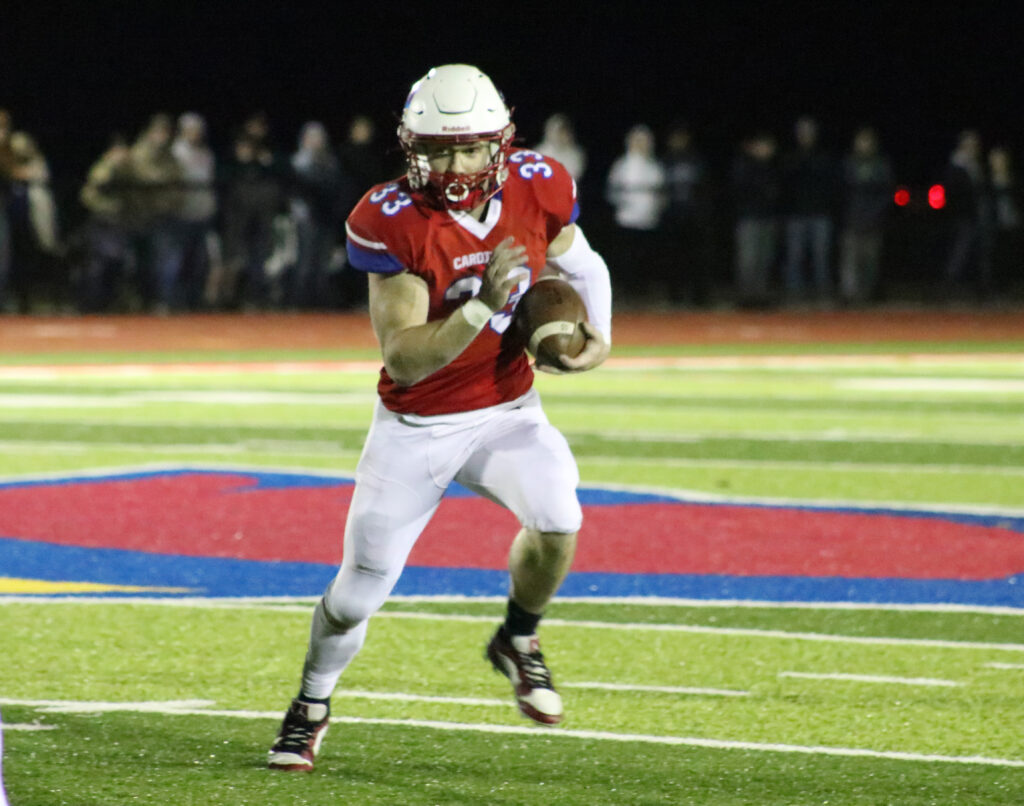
(201, 532)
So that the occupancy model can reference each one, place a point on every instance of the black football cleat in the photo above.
(298, 741)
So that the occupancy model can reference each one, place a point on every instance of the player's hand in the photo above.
(594, 352)
(503, 273)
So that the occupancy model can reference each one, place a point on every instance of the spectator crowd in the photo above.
(163, 223)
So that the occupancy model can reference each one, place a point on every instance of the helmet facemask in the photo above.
(456, 191)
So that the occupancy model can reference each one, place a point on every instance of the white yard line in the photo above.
(54, 372)
(873, 678)
(304, 604)
(1006, 666)
(546, 735)
(701, 692)
(28, 726)
(398, 696)
(927, 384)
(317, 447)
(292, 448)
(730, 631)
(599, 625)
(799, 464)
(805, 362)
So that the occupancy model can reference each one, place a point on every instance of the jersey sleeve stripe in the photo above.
(364, 242)
(370, 261)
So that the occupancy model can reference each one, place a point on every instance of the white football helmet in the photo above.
(455, 103)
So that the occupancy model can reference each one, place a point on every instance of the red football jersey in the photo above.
(389, 232)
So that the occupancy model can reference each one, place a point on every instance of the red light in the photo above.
(936, 197)
(901, 197)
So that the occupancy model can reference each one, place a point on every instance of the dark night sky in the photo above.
(73, 72)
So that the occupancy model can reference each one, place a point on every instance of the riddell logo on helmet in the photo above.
(455, 128)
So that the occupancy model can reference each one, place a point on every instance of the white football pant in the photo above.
(509, 453)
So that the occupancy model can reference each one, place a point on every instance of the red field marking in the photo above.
(224, 515)
(241, 332)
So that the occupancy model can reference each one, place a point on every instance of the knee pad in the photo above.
(353, 597)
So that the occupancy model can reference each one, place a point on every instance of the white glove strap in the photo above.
(476, 313)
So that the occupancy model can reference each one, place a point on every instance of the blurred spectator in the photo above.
(6, 177)
(868, 185)
(636, 190)
(1007, 252)
(560, 143)
(32, 213)
(362, 163)
(252, 197)
(810, 184)
(316, 191)
(687, 220)
(158, 185)
(33, 171)
(969, 261)
(199, 206)
(108, 257)
(755, 191)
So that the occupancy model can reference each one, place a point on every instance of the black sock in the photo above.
(519, 621)
(314, 700)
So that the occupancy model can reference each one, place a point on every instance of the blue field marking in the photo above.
(220, 577)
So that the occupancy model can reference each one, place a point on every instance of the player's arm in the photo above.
(414, 348)
(570, 256)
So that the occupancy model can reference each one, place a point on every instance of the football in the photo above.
(547, 321)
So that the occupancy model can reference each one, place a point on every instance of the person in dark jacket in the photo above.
(316, 191)
(687, 219)
(810, 181)
(253, 183)
(868, 185)
(755, 190)
(1007, 243)
(967, 202)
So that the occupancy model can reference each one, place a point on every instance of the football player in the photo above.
(449, 249)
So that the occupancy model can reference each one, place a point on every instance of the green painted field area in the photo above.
(175, 702)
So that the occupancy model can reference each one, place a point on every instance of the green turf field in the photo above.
(111, 703)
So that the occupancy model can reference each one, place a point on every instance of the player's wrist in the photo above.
(476, 312)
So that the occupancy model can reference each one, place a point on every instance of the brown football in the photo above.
(547, 321)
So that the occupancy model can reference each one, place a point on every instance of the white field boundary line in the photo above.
(256, 602)
(873, 678)
(291, 448)
(128, 399)
(832, 436)
(318, 448)
(800, 464)
(694, 690)
(306, 603)
(621, 363)
(931, 643)
(686, 496)
(65, 397)
(184, 709)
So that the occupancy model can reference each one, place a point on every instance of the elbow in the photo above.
(401, 370)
